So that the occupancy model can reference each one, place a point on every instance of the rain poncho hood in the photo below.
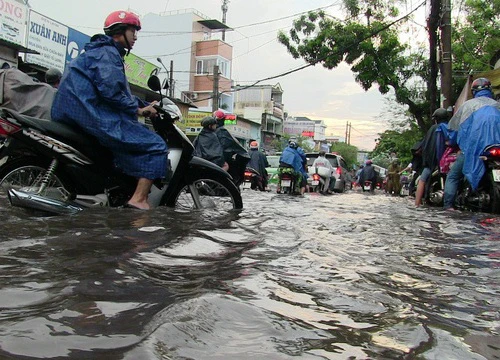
(480, 129)
(94, 94)
(482, 98)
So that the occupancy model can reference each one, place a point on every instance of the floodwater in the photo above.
(347, 276)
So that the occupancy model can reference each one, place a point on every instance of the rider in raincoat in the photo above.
(94, 94)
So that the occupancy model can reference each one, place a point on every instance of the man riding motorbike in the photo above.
(473, 127)
(292, 157)
(322, 162)
(94, 94)
(258, 162)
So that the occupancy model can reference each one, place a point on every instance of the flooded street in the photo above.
(347, 276)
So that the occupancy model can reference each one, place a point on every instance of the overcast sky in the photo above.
(315, 92)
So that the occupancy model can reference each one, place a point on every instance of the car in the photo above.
(272, 170)
(343, 178)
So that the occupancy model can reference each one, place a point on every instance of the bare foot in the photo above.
(140, 206)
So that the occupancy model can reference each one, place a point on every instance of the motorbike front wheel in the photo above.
(216, 193)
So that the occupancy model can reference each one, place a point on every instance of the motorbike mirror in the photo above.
(154, 83)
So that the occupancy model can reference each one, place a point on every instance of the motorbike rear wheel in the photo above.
(494, 195)
(27, 174)
(216, 193)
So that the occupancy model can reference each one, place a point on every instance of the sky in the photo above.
(314, 92)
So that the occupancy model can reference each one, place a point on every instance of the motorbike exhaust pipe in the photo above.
(37, 202)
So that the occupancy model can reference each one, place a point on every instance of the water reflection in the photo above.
(343, 276)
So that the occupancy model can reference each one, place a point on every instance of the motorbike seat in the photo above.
(74, 136)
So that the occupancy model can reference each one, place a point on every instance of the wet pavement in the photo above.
(347, 276)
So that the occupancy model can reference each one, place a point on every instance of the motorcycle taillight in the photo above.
(316, 177)
(493, 152)
(248, 173)
(7, 128)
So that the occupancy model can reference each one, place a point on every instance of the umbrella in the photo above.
(468, 108)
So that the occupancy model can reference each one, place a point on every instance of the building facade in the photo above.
(262, 104)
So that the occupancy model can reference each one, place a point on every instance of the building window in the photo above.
(206, 66)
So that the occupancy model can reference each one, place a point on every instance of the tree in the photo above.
(398, 142)
(374, 51)
(348, 152)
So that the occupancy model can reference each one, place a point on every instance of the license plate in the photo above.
(286, 183)
(315, 182)
(247, 185)
(496, 175)
(367, 188)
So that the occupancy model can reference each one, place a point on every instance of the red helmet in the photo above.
(219, 114)
(254, 145)
(120, 20)
(480, 84)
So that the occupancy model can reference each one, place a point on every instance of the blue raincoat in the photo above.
(94, 94)
(480, 129)
(294, 158)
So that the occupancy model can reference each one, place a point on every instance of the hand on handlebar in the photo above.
(149, 111)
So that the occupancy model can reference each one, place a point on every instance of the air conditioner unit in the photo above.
(194, 96)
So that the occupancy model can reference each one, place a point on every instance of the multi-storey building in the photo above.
(263, 105)
(185, 44)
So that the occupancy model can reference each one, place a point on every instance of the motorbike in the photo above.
(486, 198)
(367, 185)
(252, 180)
(287, 181)
(405, 181)
(57, 169)
(316, 183)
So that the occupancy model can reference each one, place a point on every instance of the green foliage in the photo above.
(280, 144)
(348, 152)
(397, 142)
(374, 51)
(476, 36)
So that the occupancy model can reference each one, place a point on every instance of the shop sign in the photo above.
(13, 16)
(50, 39)
(138, 70)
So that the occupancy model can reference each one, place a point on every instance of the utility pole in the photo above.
(215, 98)
(346, 131)
(224, 11)
(446, 68)
(432, 25)
(349, 137)
(171, 81)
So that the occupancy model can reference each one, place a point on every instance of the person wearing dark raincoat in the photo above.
(94, 94)
(207, 144)
(432, 150)
(368, 174)
(258, 162)
(234, 153)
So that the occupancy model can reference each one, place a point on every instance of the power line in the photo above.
(321, 59)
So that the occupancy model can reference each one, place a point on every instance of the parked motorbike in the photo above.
(252, 180)
(58, 169)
